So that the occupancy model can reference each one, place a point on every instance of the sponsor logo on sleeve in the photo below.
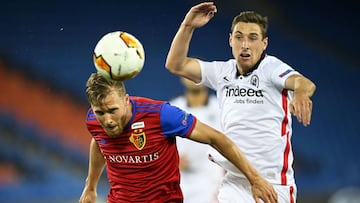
(285, 73)
(184, 121)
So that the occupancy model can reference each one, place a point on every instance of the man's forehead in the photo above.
(109, 100)
(247, 28)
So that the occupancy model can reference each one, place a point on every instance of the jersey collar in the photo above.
(247, 73)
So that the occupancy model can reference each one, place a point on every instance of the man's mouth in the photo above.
(111, 127)
(245, 55)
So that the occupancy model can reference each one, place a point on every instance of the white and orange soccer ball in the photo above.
(119, 56)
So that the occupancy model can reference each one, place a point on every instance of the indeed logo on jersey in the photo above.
(244, 95)
(236, 91)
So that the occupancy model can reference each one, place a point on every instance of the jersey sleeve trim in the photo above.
(175, 121)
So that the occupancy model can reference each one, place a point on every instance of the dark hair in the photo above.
(251, 17)
(98, 87)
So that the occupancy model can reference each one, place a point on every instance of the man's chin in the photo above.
(114, 133)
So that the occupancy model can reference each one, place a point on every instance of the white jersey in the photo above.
(255, 115)
(201, 182)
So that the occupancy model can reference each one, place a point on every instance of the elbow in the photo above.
(169, 66)
(172, 67)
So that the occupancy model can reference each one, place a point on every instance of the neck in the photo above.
(250, 69)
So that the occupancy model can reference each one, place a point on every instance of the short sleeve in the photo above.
(208, 74)
(175, 121)
(215, 71)
(281, 73)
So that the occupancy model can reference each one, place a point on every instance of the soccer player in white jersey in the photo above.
(257, 94)
(200, 178)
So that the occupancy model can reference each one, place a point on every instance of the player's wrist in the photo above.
(254, 178)
(90, 185)
(187, 26)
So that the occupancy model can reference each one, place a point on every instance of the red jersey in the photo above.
(143, 163)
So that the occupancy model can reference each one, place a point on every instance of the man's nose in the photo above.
(245, 44)
(108, 119)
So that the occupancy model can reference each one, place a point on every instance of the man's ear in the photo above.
(230, 38)
(126, 98)
(266, 41)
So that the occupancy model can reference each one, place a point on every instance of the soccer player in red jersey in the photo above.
(135, 138)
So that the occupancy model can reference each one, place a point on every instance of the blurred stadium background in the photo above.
(46, 57)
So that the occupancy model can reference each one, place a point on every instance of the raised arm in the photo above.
(96, 167)
(177, 60)
(261, 188)
(301, 105)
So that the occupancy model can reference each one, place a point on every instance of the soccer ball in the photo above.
(119, 56)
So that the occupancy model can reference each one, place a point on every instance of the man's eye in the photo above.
(253, 37)
(99, 113)
(112, 111)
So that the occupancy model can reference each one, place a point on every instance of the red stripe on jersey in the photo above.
(284, 94)
(191, 128)
(286, 160)
(292, 194)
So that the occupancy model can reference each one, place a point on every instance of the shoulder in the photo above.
(276, 70)
(272, 65)
(143, 104)
(220, 64)
(145, 100)
(273, 61)
(175, 121)
(168, 109)
(219, 68)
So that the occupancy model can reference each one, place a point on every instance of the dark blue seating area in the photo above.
(48, 171)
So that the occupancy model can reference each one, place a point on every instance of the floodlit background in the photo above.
(46, 57)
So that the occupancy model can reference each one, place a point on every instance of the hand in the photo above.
(262, 189)
(301, 107)
(88, 196)
(200, 14)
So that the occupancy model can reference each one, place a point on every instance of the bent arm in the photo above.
(300, 85)
(205, 134)
(96, 165)
(177, 60)
(261, 188)
(301, 105)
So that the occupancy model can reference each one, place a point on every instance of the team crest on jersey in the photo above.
(254, 80)
(138, 138)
